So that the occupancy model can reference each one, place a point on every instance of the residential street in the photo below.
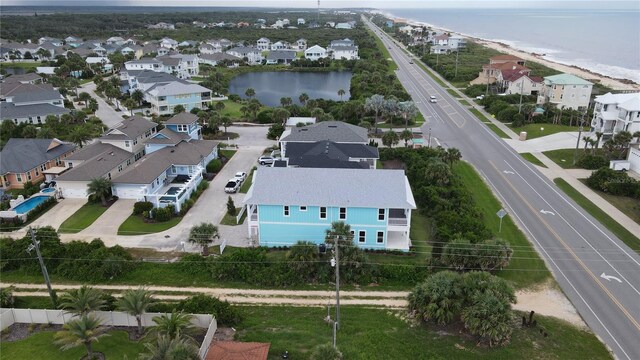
(109, 116)
(595, 269)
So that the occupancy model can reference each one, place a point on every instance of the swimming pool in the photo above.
(47, 190)
(29, 204)
(174, 190)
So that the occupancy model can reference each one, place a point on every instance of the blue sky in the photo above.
(382, 4)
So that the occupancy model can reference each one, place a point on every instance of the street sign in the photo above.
(501, 213)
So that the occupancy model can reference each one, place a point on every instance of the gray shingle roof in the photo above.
(219, 57)
(331, 187)
(11, 111)
(183, 118)
(176, 88)
(21, 155)
(336, 131)
(327, 154)
(131, 127)
(148, 76)
(22, 78)
(99, 159)
(166, 136)
(150, 166)
(12, 88)
(281, 54)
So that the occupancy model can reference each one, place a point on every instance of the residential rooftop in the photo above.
(337, 131)
(369, 188)
(98, 159)
(22, 155)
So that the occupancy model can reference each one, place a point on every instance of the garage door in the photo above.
(73, 190)
(128, 192)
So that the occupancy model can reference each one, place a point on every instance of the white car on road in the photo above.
(241, 176)
(233, 185)
(432, 99)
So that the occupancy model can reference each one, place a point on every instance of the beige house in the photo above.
(566, 91)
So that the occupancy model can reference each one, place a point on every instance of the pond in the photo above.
(270, 86)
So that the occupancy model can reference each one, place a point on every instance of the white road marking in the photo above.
(547, 212)
(610, 277)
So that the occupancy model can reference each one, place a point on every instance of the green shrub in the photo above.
(142, 206)
(214, 166)
(162, 214)
(192, 264)
(275, 131)
(325, 352)
(41, 208)
(592, 162)
(225, 314)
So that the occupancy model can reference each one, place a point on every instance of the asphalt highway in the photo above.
(598, 273)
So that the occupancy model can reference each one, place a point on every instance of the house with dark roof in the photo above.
(219, 58)
(28, 78)
(328, 154)
(23, 160)
(335, 131)
(303, 202)
(31, 103)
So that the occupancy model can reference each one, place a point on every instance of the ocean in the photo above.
(603, 41)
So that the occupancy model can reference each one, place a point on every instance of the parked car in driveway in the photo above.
(266, 160)
(232, 186)
(241, 176)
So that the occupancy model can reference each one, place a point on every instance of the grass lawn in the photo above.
(231, 219)
(379, 164)
(227, 153)
(620, 231)
(247, 182)
(385, 52)
(232, 109)
(563, 157)
(497, 130)
(385, 334)
(82, 218)
(40, 346)
(23, 65)
(420, 234)
(533, 130)
(464, 102)
(453, 93)
(532, 159)
(628, 205)
(526, 268)
(135, 225)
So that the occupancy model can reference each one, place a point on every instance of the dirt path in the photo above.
(546, 301)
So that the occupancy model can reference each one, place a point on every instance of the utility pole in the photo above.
(429, 141)
(456, 73)
(575, 154)
(36, 245)
(486, 93)
(337, 324)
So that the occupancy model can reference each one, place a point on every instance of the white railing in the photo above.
(239, 217)
(397, 221)
(109, 318)
(208, 338)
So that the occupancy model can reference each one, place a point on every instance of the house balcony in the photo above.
(398, 240)
(397, 217)
(176, 190)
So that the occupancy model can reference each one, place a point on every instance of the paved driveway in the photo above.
(210, 208)
(106, 226)
(59, 213)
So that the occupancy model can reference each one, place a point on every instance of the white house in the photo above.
(263, 44)
(301, 21)
(251, 55)
(279, 45)
(613, 113)
(347, 26)
(144, 64)
(315, 52)
(168, 43)
(210, 49)
(301, 45)
(522, 83)
(634, 158)
(566, 91)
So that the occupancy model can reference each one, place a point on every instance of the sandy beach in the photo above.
(616, 84)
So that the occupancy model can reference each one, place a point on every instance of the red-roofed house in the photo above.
(233, 350)
(501, 68)
(517, 83)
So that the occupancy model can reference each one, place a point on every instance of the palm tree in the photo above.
(438, 173)
(226, 122)
(341, 92)
(285, 101)
(451, 155)
(408, 110)
(73, 83)
(406, 135)
(598, 137)
(303, 98)
(82, 331)
(178, 109)
(203, 235)
(82, 301)
(219, 106)
(113, 93)
(376, 104)
(84, 97)
(135, 302)
(138, 96)
(166, 347)
(280, 115)
(101, 188)
(172, 325)
(250, 93)
(129, 104)
(390, 138)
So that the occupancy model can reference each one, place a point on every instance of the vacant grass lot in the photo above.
(385, 52)
(83, 218)
(620, 231)
(628, 205)
(40, 346)
(539, 130)
(526, 267)
(135, 225)
(384, 334)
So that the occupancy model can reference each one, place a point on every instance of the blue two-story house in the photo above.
(286, 205)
